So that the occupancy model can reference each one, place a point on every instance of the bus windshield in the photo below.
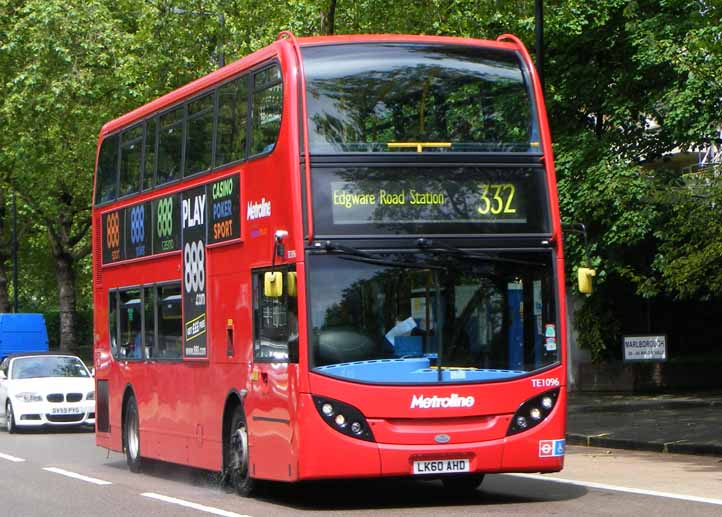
(386, 97)
(431, 316)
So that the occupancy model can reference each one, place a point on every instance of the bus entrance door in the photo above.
(269, 407)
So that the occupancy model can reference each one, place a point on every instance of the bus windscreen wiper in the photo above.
(434, 245)
(329, 246)
(351, 253)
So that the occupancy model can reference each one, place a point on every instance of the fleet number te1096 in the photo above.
(549, 382)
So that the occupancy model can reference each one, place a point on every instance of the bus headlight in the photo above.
(533, 411)
(338, 415)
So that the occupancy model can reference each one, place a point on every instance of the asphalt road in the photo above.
(63, 474)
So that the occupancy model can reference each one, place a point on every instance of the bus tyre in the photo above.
(131, 435)
(462, 484)
(10, 418)
(236, 452)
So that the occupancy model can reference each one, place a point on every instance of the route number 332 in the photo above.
(496, 198)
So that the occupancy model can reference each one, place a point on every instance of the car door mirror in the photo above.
(2, 375)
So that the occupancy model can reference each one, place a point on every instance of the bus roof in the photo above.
(250, 60)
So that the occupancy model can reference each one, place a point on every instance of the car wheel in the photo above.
(236, 455)
(10, 418)
(464, 484)
(131, 436)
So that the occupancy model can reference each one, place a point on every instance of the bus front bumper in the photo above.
(326, 453)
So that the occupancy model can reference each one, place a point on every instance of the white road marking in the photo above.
(14, 459)
(195, 506)
(638, 491)
(73, 475)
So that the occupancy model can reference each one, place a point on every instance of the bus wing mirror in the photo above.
(584, 277)
(272, 284)
(291, 284)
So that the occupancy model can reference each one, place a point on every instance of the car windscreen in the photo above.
(48, 366)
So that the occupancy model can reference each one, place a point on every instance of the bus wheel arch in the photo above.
(236, 458)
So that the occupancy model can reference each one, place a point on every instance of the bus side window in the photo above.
(267, 109)
(170, 146)
(131, 315)
(199, 134)
(131, 160)
(149, 154)
(113, 322)
(275, 328)
(232, 120)
(107, 174)
(149, 321)
(168, 344)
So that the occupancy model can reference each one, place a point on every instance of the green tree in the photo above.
(69, 67)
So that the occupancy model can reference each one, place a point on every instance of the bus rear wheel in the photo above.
(237, 460)
(462, 484)
(131, 435)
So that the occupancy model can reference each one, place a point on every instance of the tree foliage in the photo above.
(628, 82)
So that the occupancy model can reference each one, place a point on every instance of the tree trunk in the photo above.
(66, 285)
(4, 255)
(328, 19)
(4, 298)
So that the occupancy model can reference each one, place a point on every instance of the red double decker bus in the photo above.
(336, 257)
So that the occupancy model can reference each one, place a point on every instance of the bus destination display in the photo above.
(442, 199)
(414, 202)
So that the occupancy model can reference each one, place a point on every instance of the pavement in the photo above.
(683, 423)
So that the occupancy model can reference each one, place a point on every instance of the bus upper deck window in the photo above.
(107, 174)
(231, 132)
(131, 155)
(170, 146)
(267, 109)
(200, 134)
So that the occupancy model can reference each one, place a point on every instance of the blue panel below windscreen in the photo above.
(413, 371)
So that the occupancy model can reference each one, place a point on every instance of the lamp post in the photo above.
(221, 22)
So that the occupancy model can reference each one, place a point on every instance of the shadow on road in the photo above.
(370, 494)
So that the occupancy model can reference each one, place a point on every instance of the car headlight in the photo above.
(90, 395)
(28, 396)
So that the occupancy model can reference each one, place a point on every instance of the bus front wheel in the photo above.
(237, 461)
(132, 435)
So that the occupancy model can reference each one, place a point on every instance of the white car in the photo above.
(46, 389)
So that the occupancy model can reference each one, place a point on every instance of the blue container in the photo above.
(20, 333)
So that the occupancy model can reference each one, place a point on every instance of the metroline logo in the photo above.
(421, 402)
(258, 210)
